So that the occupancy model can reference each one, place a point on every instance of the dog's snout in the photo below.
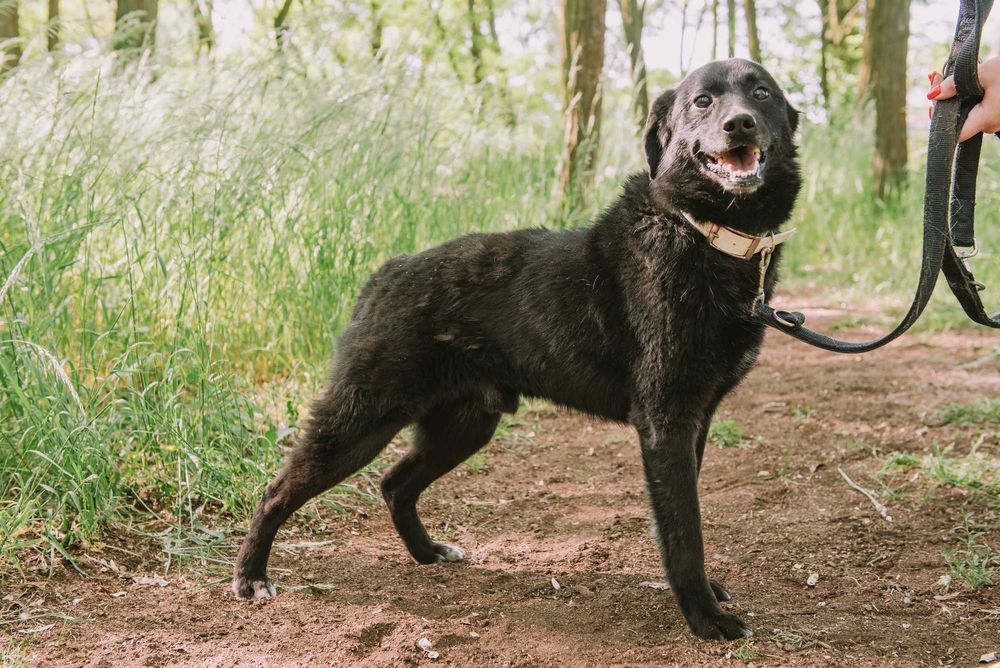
(739, 123)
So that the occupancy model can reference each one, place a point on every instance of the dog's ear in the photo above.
(793, 116)
(657, 133)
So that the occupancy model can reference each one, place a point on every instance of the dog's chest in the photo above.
(694, 313)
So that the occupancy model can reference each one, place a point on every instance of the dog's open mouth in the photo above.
(739, 168)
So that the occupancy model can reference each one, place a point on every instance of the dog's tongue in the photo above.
(741, 159)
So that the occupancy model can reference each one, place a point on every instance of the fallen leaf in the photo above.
(143, 581)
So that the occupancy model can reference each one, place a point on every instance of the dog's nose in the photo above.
(739, 123)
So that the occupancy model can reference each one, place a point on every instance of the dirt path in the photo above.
(560, 499)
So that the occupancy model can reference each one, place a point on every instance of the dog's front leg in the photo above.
(669, 444)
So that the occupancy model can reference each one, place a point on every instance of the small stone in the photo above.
(433, 656)
(118, 594)
(473, 634)
(425, 644)
(555, 584)
(812, 579)
(988, 658)
(907, 600)
(764, 474)
(907, 626)
(655, 585)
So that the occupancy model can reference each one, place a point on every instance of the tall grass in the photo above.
(178, 253)
(173, 249)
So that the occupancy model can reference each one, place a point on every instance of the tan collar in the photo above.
(735, 243)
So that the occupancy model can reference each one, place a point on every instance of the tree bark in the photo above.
(632, 20)
(443, 38)
(476, 47)
(202, 10)
(53, 29)
(865, 69)
(887, 71)
(715, 29)
(135, 25)
(731, 17)
(753, 39)
(510, 118)
(281, 25)
(582, 61)
(10, 52)
(377, 26)
(824, 52)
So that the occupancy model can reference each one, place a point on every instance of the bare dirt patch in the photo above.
(560, 500)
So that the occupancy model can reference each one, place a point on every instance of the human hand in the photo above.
(985, 116)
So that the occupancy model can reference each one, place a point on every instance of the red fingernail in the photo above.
(930, 77)
(934, 92)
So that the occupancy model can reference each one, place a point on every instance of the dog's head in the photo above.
(727, 129)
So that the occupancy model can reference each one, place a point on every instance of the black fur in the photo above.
(635, 319)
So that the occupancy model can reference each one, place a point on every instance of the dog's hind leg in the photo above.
(346, 431)
(444, 437)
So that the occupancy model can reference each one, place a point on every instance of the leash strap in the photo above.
(948, 171)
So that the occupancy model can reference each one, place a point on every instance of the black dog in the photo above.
(637, 319)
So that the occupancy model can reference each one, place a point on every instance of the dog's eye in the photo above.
(702, 101)
(761, 93)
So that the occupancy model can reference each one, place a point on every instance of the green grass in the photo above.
(179, 252)
(986, 412)
(975, 563)
(976, 473)
(726, 434)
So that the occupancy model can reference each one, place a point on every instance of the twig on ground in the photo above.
(870, 495)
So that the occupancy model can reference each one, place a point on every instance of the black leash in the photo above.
(951, 168)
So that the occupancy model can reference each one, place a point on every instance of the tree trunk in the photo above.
(510, 118)
(684, 23)
(715, 29)
(731, 16)
(632, 20)
(753, 39)
(865, 69)
(53, 29)
(476, 48)
(10, 52)
(824, 53)
(281, 25)
(377, 26)
(887, 72)
(443, 38)
(202, 10)
(582, 61)
(135, 25)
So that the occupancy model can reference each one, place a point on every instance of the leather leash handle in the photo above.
(937, 251)
(956, 267)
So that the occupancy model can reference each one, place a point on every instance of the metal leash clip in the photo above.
(966, 253)
(765, 262)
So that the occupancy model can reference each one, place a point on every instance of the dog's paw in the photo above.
(253, 588)
(719, 625)
(448, 553)
(721, 593)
